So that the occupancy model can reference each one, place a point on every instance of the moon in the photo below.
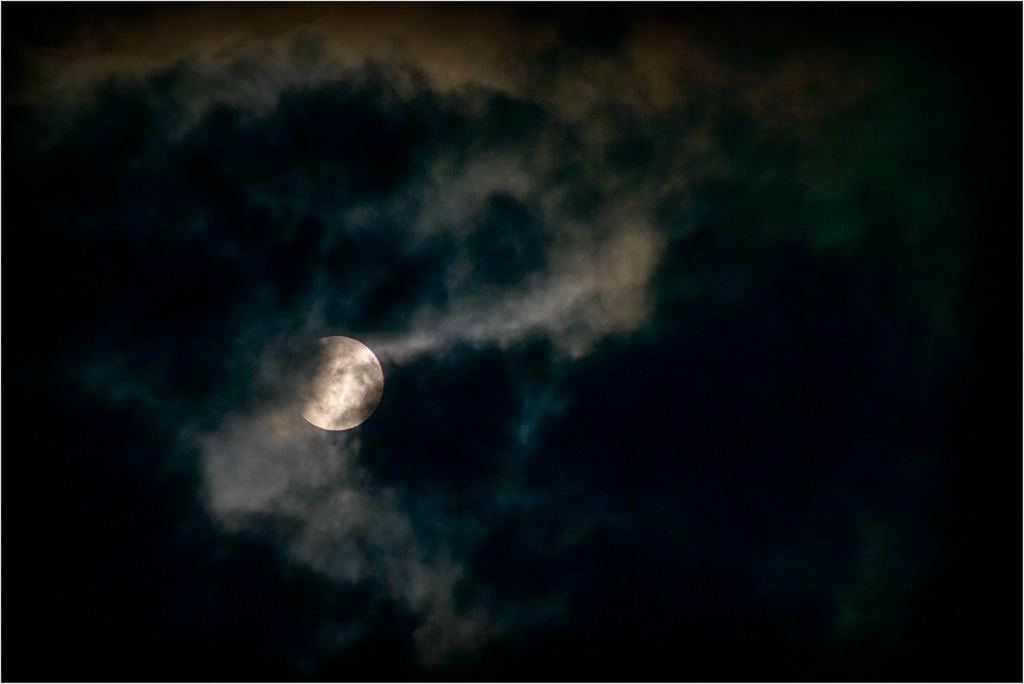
(345, 387)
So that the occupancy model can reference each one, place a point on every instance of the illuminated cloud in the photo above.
(272, 474)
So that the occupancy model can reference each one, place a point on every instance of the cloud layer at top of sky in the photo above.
(830, 119)
(834, 116)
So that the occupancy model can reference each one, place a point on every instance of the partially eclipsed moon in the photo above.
(346, 385)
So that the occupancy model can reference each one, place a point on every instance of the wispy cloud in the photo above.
(270, 472)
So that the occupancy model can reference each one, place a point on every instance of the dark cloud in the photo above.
(508, 241)
(690, 322)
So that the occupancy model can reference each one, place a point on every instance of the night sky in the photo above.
(700, 329)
